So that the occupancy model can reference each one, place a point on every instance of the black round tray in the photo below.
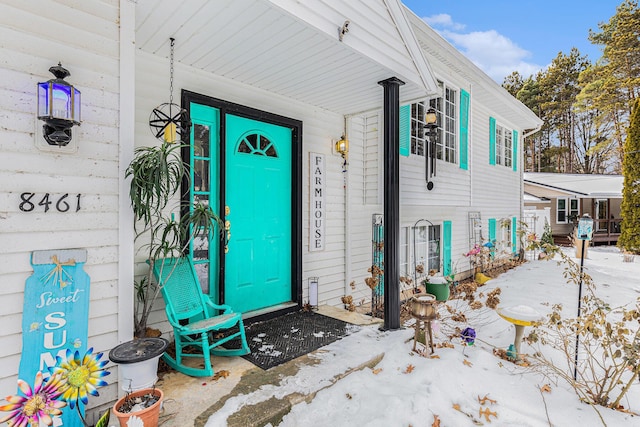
(138, 350)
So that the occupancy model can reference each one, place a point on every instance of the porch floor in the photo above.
(189, 401)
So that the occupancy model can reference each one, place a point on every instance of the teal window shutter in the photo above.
(514, 142)
(446, 248)
(405, 130)
(492, 235)
(492, 229)
(514, 235)
(492, 141)
(464, 129)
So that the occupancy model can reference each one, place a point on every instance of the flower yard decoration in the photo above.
(82, 376)
(72, 379)
(468, 336)
(39, 404)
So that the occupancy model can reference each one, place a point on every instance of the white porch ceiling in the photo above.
(256, 43)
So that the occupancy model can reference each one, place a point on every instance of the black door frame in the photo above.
(226, 107)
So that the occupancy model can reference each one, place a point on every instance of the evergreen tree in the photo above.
(513, 83)
(529, 95)
(559, 88)
(595, 147)
(630, 228)
(547, 235)
(618, 72)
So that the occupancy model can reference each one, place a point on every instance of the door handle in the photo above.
(227, 230)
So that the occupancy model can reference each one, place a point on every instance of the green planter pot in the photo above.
(440, 290)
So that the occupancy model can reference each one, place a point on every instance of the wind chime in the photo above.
(170, 122)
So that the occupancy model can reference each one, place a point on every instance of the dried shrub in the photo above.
(609, 344)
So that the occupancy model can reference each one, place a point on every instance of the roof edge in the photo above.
(397, 11)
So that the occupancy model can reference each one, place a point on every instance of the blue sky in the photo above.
(501, 36)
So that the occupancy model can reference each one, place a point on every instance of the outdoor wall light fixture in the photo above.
(342, 146)
(58, 107)
(431, 131)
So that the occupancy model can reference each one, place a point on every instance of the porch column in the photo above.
(391, 156)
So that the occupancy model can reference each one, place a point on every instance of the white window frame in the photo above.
(434, 248)
(418, 143)
(504, 146)
(505, 237)
(405, 252)
(446, 105)
(569, 210)
(428, 248)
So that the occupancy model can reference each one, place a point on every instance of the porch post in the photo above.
(391, 156)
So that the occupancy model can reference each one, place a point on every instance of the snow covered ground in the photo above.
(463, 386)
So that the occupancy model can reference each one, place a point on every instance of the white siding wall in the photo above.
(35, 37)
(365, 199)
(496, 189)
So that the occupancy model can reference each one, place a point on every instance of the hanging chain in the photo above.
(173, 41)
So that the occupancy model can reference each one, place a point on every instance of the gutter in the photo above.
(531, 132)
(522, 166)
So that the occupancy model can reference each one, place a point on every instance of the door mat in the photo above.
(278, 340)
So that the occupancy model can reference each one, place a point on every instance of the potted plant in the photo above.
(140, 408)
(438, 286)
(156, 174)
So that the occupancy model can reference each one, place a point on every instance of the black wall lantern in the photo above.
(431, 132)
(58, 107)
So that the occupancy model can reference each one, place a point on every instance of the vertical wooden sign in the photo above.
(55, 315)
(317, 209)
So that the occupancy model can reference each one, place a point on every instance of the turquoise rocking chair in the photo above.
(197, 322)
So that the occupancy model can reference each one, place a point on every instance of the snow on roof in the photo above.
(531, 198)
(588, 185)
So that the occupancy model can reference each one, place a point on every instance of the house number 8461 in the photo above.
(63, 203)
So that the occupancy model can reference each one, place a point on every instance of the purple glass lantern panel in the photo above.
(43, 100)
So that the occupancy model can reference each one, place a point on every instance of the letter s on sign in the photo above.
(52, 318)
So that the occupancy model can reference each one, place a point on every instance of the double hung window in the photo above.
(566, 210)
(446, 106)
(420, 247)
(504, 146)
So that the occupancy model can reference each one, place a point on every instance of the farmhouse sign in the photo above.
(55, 315)
(317, 211)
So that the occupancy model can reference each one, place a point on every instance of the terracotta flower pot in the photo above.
(148, 416)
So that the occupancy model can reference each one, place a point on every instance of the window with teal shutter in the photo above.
(492, 235)
(446, 248)
(515, 150)
(514, 235)
(492, 141)
(405, 130)
(464, 129)
(492, 229)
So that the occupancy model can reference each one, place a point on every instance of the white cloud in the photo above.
(492, 52)
(443, 20)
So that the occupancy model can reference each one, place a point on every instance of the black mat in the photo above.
(276, 341)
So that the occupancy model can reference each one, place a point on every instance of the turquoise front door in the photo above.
(258, 203)
(245, 166)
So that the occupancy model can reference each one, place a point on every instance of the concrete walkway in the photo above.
(190, 401)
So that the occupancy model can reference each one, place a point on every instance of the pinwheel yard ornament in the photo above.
(468, 336)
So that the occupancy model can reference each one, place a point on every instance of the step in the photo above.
(272, 409)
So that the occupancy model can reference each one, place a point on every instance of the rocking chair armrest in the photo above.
(227, 309)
